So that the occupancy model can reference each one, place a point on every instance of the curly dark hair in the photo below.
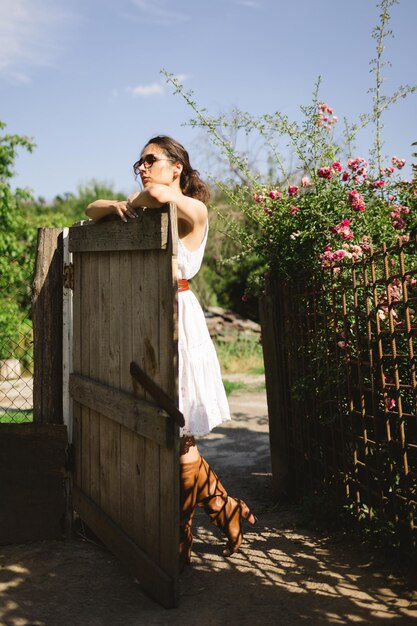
(190, 181)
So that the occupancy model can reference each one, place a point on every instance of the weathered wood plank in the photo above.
(76, 362)
(129, 460)
(47, 327)
(109, 429)
(85, 314)
(278, 435)
(126, 319)
(138, 306)
(150, 274)
(169, 459)
(94, 365)
(157, 583)
(149, 231)
(32, 470)
(152, 512)
(116, 318)
(138, 415)
(131, 450)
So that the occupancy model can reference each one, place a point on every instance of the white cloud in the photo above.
(181, 78)
(158, 12)
(252, 4)
(27, 33)
(146, 90)
(154, 89)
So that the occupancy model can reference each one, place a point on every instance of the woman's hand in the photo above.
(124, 210)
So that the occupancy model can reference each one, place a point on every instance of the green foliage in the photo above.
(225, 273)
(321, 512)
(20, 217)
(243, 354)
(16, 417)
(230, 386)
(67, 208)
(14, 257)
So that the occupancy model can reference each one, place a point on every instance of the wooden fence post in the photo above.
(276, 395)
(47, 327)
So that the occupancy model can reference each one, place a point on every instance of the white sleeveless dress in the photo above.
(202, 398)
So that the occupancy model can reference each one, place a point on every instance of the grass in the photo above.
(243, 355)
(231, 386)
(16, 417)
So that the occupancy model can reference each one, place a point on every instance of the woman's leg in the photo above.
(226, 512)
(189, 468)
(201, 485)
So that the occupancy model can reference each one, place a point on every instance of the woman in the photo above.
(167, 176)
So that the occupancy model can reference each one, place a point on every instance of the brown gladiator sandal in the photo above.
(224, 511)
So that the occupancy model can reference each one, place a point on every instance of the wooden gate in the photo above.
(126, 481)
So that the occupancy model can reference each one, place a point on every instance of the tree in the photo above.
(14, 255)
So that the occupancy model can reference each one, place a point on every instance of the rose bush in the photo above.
(334, 213)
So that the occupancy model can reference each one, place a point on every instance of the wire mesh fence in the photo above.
(346, 402)
(16, 353)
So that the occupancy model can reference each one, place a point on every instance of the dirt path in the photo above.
(281, 575)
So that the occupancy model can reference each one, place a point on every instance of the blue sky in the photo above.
(82, 77)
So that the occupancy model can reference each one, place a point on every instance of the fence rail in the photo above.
(342, 391)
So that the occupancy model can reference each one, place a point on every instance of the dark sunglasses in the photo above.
(147, 161)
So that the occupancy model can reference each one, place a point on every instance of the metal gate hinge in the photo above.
(68, 276)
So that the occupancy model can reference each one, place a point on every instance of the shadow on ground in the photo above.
(282, 575)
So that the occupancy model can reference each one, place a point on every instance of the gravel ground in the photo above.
(282, 574)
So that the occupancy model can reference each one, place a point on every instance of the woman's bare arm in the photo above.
(100, 208)
(191, 210)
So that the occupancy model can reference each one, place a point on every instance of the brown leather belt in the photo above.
(182, 285)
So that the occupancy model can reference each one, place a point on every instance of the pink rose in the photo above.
(258, 197)
(353, 164)
(390, 403)
(324, 108)
(274, 194)
(325, 172)
(293, 190)
(356, 201)
(339, 254)
(398, 163)
(343, 230)
(398, 223)
(336, 166)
